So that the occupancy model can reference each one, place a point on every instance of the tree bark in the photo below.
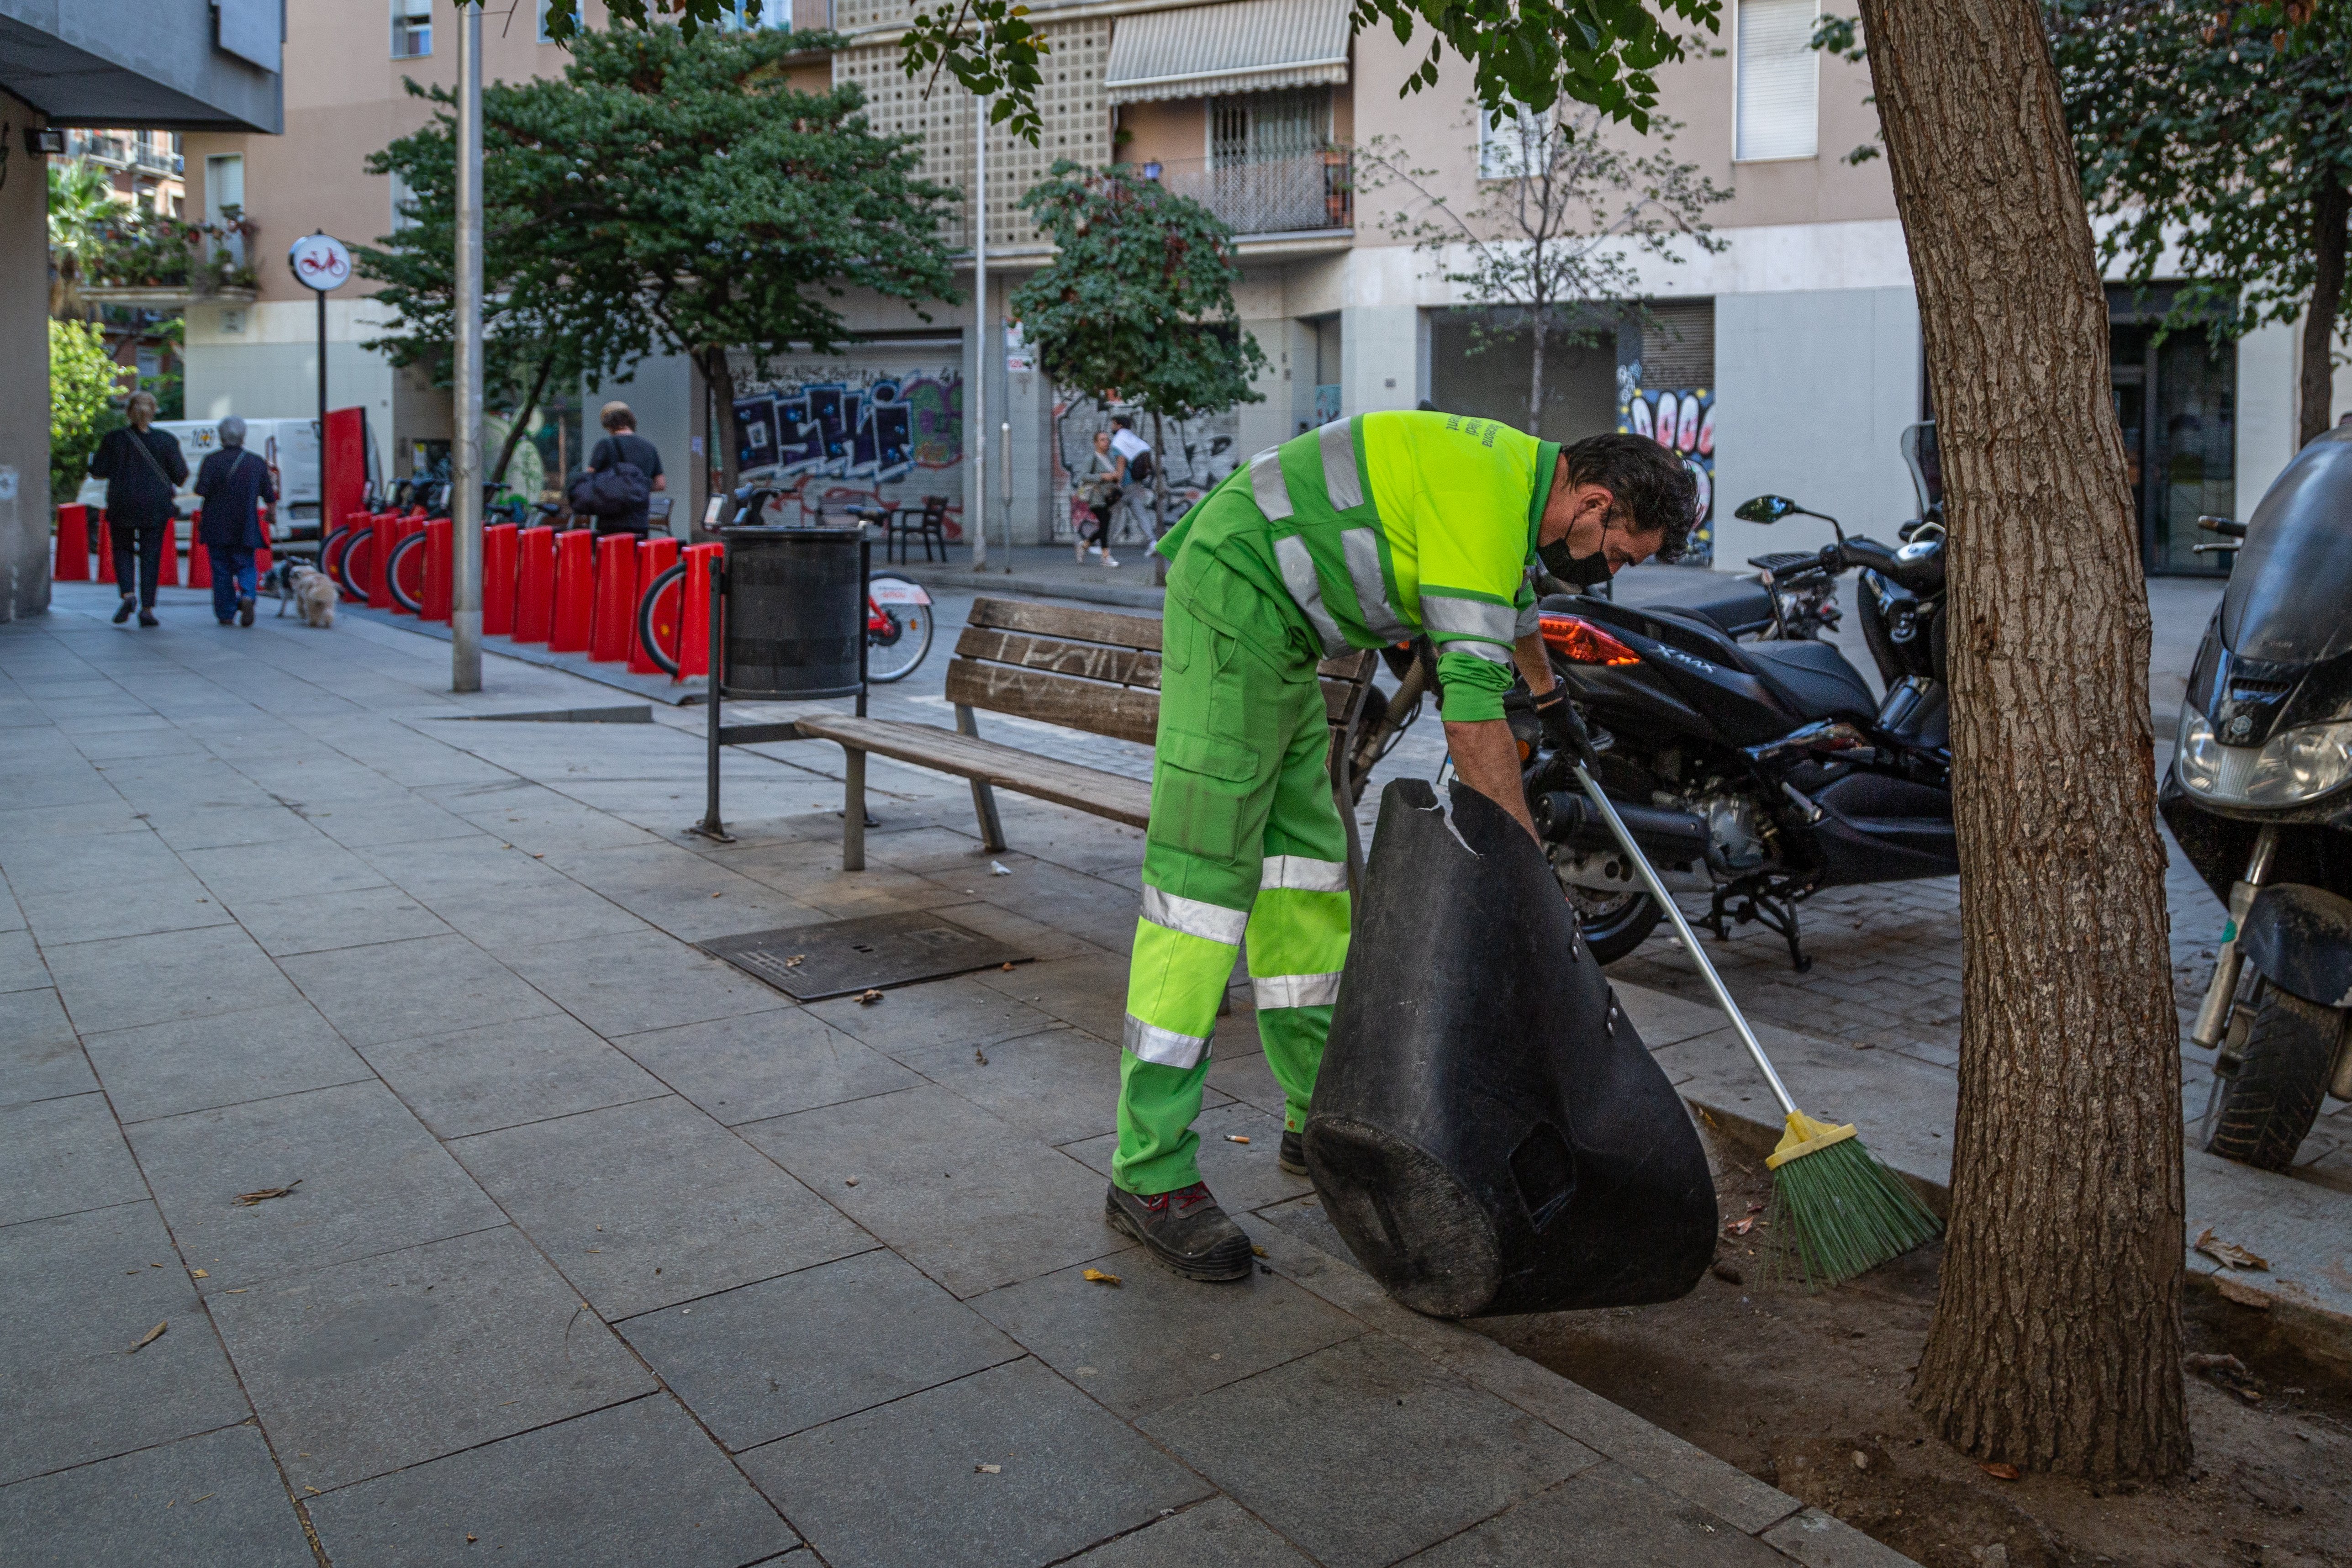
(1535, 379)
(2056, 1341)
(2329, 208)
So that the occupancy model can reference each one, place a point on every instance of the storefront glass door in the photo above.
(2176, 402)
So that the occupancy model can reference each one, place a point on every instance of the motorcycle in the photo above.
(2256, 797)
(1756, 772)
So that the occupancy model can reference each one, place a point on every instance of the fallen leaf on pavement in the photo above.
(869, 998)
(795, 961)
(2243, 1295)
(1739, 1228)
(988, 1470)
(150, 1337)
(2228, 1252)
(263, 1194)
(1256, 1251)
(198, 1274)
(2000, 1471)
(1008, 967)
(1096, 1277)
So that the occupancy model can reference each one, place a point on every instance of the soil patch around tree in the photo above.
(1811, 1392)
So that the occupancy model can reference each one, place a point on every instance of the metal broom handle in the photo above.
(1690, 940)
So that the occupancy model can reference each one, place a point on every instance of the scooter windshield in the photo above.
(2289, 591)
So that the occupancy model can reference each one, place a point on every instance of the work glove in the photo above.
(1564, 728)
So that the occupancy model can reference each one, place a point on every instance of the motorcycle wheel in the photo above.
(2267, 1110)
(1614, 923)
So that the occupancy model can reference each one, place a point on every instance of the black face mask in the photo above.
(1578, 570)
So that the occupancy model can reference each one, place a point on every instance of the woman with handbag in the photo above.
(234, 483)
(142, 468)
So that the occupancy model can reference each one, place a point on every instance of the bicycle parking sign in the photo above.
(322, 261)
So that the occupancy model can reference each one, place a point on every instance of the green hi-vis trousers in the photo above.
(1245, 841)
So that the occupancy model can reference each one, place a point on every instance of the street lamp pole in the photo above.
(977, 512)
(465, 497)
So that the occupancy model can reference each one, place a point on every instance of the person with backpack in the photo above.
(1134, 459)
(623, 473)
(142, 468)
(233, 483)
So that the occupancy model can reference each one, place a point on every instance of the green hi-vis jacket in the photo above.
(1372, 529)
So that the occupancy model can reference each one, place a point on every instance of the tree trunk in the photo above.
(2329, 206)
(1159, 500)
(719, 414)
(1535, 382)
(2056, 1341)
(521, 419)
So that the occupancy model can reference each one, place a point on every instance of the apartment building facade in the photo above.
(1787, 360)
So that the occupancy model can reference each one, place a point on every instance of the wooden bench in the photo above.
(1097, 672)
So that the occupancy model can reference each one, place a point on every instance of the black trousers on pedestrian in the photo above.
(138, 545)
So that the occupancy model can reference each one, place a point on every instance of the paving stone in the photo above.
(1058, 1087)
(1818, 1540)
(78, 1291)
(207, 825)
(1613, 1516)
(60, 1156)
(1242, 1175)
(938, 1013)
(131, 981)
(534, 818)
(224, 1058)
(902, 1483)
(289, 866)
(393, 821)
(319, 923)
(40, 1058)
(1365, 1452)
(758, 1065)
(685, 1208)
(213, 1499)
(1213, 1534)
(576, 1493)
(21, 968)
(108, 907)
(683, 893)
(967, 1199)
(372, 1180)
(625, 985)
(399, 990)
(499, 1075)
(1102, 912)
(1040, 941)
(1158, 1339)
(783, 1355)
(394, 1360)
(1237, 1067)
(1087, 990)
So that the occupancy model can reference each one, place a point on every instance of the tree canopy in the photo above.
(1139, 299)
(83, 382)
(668, 194)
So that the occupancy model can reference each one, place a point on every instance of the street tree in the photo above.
(674, 194)
(2220, 142)
(84, 380)
(1562, 217)
(1137, 305)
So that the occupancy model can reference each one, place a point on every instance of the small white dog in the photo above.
(315, 591)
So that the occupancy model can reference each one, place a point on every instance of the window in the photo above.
(542, 36)
(776, 15)
(1779, 80)
(224, 197)
(1511, 144)
(1260, 126)
(412, 28)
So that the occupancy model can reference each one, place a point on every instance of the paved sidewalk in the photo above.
(591, 1250)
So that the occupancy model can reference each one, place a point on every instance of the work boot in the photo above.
(1184, 1229)
(123, 611)
(245, 611)
(1292, 1157)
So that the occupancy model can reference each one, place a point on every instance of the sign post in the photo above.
(466, 451)
(322, 264)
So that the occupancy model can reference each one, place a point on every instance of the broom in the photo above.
(1835, 1204)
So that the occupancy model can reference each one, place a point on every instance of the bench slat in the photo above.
(1124, 713)
(1123, 666)
(1090, 790)
(1062, 621)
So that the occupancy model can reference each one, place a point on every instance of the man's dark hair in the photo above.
(1121, 422)
(1654, 487)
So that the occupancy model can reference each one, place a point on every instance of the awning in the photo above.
(1201, 51)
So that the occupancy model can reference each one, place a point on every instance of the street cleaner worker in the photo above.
(1363, 534)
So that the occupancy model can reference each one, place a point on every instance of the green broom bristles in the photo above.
(1836, 1210)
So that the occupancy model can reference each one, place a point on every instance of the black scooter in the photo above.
(2256, 797)
(1757, 772)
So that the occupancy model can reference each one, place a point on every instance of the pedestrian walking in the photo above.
(233, 482)
(142, 468)
(623, 447)
(1096, 486)
(1137, 463)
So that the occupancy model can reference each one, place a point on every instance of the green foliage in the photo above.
(669, 195)
(114, 242)
(82, 384)
(2208, 133)
(1137, 302)
(80, 198)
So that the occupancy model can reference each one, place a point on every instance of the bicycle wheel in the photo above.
(898, 628)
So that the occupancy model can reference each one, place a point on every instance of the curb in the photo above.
(653, 687)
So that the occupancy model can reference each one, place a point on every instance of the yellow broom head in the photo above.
(1837, 1210)
(1805, 1136)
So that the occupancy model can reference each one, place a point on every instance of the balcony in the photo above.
(1301, 194)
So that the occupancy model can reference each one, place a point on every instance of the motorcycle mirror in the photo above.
(1766, 509)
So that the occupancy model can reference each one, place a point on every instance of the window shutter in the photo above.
(1778, 79)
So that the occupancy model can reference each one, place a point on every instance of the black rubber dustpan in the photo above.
(1488, 1132)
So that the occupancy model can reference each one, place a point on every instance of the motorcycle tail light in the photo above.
(1578, 641)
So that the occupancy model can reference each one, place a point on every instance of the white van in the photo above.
(290, 448)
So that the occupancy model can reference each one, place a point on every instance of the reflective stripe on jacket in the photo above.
(1380, 527)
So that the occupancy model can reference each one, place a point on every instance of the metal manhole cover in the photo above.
(840, 958)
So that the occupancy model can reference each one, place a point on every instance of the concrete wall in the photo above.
(1811, 390)
(2266, 423)
(665, 394)
(24, 398)
(141, 63)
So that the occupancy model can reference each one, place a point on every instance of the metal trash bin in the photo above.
(795, 612)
